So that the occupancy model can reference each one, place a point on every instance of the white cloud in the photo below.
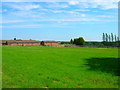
(24, 6)
(95, 11)
(73, 2)
(103, 4)
(54, 11)
(23, 26)
(60, 0)
(4, 10)
(104, 16)
(57, 5)
(81, 10)
(109, 6)
(44, 9)
(83, 15)
(72, 19)
(12, 21)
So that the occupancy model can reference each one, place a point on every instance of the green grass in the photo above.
(59, 67)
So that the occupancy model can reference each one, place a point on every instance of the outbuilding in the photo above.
(49, 43)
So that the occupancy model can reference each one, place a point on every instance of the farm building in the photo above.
(0, 42)
(28, 43)
(21, 42)
(49, 43)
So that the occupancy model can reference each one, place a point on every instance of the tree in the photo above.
(109, 38)
(62, 42)
(115, 38)
(103, 37)
(106, 37)
(79, 41)
(112, 37)
(71, 41)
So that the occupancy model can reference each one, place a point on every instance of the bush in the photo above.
(62, 42)
(79, 41)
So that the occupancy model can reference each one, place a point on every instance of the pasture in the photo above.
(59, 67)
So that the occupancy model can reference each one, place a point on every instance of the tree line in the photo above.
(78, 41)
(110, 39)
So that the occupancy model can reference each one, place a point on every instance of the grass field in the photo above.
(59, 67)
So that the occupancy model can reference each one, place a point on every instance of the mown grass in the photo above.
(59, 67)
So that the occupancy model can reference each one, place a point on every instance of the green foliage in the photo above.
(62, 42)
(103, 37)
(115, 38)
(71, 41)
(112, 37)
(110, 40)
(79, 41)
(63, 67)
(94, 44)
(106, 37)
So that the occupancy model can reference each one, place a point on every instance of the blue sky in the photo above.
(59, 20)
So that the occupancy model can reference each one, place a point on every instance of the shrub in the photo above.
(79, 41)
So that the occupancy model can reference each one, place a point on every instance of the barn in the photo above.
(21, 42)
(49, 43)
(0, 42)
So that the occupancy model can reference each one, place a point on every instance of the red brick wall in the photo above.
(19, 44)
(13, 44)
(31, 44)
(51, 44)
(55, 44)
(24, 44)
(34, 44)
(27, 44)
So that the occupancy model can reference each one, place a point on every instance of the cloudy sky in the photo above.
(59, 20)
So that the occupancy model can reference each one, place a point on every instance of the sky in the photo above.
(59, 21)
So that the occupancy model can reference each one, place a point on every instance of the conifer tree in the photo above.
(112, 37)
(103, 37)
(106, 37)
(109, 38)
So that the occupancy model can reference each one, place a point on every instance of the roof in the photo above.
(50, 41)
(22, 41)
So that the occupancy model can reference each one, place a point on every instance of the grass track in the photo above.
(59, 67)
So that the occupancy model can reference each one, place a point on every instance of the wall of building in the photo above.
(27, 44)
(24, 44)
(12, 44)
(31, 43)
(36, 44)
(51, 44)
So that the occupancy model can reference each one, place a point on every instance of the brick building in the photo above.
(28, 43)
(49, 43)
(0, 42)
(21, 42)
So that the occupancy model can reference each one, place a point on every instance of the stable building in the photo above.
(49, 43)
(21, 42)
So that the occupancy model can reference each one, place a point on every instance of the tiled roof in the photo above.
(22, 41)
(50, 41)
